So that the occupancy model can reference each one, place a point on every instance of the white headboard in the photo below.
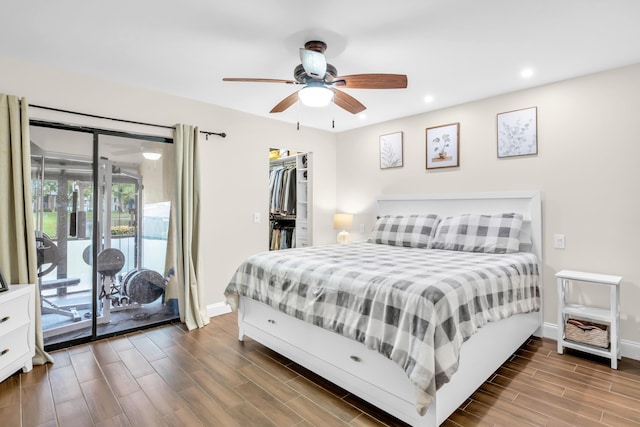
(527, 203)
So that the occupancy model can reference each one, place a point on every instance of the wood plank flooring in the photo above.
(170, 377)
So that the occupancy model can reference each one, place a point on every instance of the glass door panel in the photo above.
(134, 202)
(101, 248)
(62, 187)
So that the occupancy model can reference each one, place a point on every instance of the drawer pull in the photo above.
(4, 319)
(3, 352)
(355, 358)
(273, 322)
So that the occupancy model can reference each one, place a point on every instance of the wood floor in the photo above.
(170, 377)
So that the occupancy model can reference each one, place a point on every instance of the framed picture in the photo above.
(518, 133)
(443, 146)
(4, 285)
(391, 155)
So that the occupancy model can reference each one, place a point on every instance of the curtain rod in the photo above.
(207, 133)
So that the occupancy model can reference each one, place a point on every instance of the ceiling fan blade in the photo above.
(314, 63)
(285, 103)
(240, 79)
(347, 102)
(372, 81)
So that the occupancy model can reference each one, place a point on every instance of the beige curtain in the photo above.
(17, 237)
(182, 248)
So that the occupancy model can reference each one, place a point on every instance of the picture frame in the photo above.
(443, 146)
(391, 150)
(4, 285)
(518, 133)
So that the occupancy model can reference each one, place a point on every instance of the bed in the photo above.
(369, 318)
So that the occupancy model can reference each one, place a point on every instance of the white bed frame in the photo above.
(378, 380)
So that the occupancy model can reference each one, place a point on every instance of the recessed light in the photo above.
(428, 99)
(362, 116)
(526, 73)
(151, 155)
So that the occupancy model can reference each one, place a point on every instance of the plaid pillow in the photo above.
(414, 231)
(496, 234)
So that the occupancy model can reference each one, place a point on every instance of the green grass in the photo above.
(49, 224)
(51, 219)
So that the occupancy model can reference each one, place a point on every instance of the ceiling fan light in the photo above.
(150, 155)
(315, 96)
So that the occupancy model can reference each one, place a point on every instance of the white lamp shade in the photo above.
(342, 221)
(315, 96)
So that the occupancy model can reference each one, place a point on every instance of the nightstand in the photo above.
(17, 329)
(609, 316)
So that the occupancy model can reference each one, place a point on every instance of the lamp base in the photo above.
(343, 237)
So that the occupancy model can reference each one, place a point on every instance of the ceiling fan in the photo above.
(320, 81)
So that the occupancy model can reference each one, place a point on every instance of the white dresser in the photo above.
(17, 333)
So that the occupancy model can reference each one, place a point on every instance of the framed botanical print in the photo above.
(391, 155)
(443, 146)
(518, 133)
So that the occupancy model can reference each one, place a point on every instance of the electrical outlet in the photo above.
(361, 228)
(558, 241)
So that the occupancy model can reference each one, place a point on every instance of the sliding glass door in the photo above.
(101, 203)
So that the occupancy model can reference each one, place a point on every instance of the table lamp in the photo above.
(343, 222)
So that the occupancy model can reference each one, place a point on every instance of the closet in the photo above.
(289, 199)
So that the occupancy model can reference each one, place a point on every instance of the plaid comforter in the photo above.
(414, 306)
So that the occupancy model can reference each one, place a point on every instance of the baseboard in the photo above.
(629, 349)
(218, 309)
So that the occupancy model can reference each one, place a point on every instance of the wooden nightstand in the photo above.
(610, 316)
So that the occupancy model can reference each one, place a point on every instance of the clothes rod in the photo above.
(206, 133)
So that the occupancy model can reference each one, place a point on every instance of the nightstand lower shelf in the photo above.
(609, 317)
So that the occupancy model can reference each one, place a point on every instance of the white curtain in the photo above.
(18, 258)
(183, 262)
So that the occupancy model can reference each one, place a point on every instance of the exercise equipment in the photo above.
(110, 262)
(48, 255)
(48, 258)
(143, 286)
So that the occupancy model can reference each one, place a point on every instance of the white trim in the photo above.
(629, 349)
(218, 309)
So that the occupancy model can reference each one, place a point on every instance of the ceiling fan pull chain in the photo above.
(333, 113)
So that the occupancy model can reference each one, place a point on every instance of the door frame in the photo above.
(97, 229)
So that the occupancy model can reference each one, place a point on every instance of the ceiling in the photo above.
(454, 51)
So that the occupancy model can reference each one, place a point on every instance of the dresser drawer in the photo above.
(14, 345)
(345, 354)
(14, 313)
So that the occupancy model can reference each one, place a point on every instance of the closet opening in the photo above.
(101, 202)
(290, 199)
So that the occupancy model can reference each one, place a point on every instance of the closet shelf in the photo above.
(283, 160)
(276, 217)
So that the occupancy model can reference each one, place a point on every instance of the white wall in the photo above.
(234, 169)
(588, 137)
(586, 167)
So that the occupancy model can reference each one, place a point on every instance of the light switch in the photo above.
(361, 228)
(256, 217)
(558, 241)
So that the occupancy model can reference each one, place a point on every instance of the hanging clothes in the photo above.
(282, 188)
(282, 234)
